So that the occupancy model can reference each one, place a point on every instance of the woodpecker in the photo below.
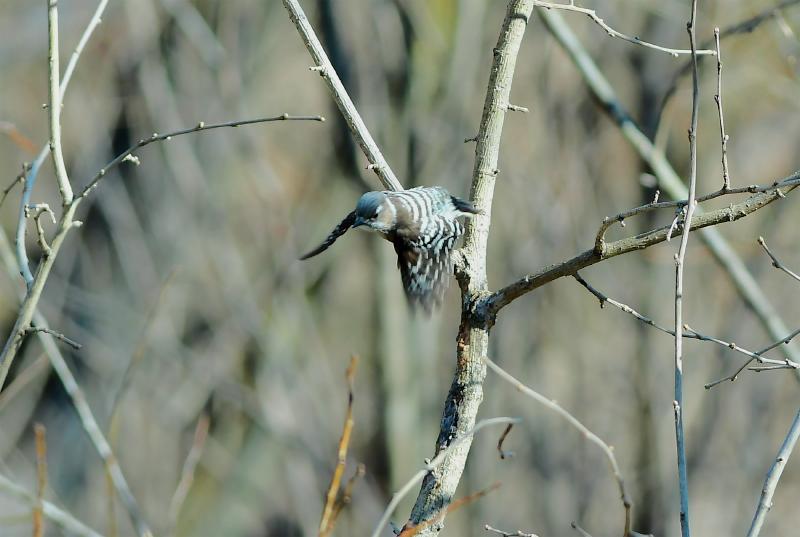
(422, 224)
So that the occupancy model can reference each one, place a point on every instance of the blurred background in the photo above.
(185, 290)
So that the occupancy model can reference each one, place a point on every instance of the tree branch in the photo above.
(494, 302)
(592, 14)
(466, 391)
(773, 476)
(324, 67)
(127, 155)
(680, 258)
(607, 450)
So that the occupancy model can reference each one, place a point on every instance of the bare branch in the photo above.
(775, 262)
(127, 155)
(54, 106)
(607, 450)
(726, 178)
(773, 476)
(324, 67)
(472, 343)
(680, 258)
(494, 302)
(592, 14)
(501, 533)
(328, 519)
(41, 478)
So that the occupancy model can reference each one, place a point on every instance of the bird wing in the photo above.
(337, 232)
(425, 268)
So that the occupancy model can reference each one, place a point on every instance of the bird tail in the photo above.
(465, 207)
(337, 232)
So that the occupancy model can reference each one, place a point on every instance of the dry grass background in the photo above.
(184, 289)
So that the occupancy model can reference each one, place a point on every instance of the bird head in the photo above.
(374, 212)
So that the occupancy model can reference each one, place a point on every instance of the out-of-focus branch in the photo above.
(431, 467)
(668, 180)
(592, 14)
(324, 67)
(79, 401)
(494, 302)
(52, 512)
(472, 343)
(773, 476)
(608, 451)
(328, 519)
(680, 263)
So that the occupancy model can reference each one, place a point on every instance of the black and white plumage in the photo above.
(422, 224)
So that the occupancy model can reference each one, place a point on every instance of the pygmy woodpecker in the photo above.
(423, 225)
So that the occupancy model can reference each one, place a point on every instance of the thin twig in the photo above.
(773, 476)
(324, 67)
(580, 530)
(775, 262)
(607, 450)
(726, 178)
(58, 335)
(592, 14)
(694, 334)
(429, 467)
(504, 454)
(327, 521)
(18, 180)
(189, 467)
(41, 479)
(501, 533)
(680, 259)
(201, 126)
(58, 516)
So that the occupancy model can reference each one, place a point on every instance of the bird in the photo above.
(422, 224)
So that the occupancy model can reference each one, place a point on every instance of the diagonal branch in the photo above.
(494, 302)
(773, 476)
(324, 67)
(592, 14)
(127, 155)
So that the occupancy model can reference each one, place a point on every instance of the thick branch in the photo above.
(466, 392)
(323, 65)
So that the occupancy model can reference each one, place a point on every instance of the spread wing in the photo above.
(337, 232)
(425, 268)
